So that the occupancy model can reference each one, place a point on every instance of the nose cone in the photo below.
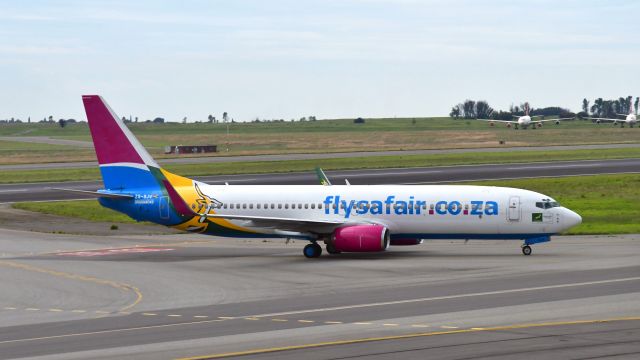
(571, 219)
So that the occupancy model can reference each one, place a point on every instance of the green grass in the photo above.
(317, 136)
(608, 204)
(19, 176)
(80, 131)
(83, 209)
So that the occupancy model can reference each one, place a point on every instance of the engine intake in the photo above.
(361, 238)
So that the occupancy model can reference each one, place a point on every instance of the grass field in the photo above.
(373, 162)
(608, 204)
(83, 209)
(326, 136)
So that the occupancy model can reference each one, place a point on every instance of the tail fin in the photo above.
(124, 162)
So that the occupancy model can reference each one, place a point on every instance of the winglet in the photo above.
(322, 177)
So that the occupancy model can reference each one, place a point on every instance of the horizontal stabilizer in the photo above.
(97, 194)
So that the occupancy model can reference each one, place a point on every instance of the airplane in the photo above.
(630, 119)
(524, 121)
(346, 218)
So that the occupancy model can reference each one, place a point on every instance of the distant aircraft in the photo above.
(524, 121)
(347, 218)
(630, 119)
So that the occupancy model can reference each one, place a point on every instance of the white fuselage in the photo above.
(524, 120)
(412, 211)
(631, 119)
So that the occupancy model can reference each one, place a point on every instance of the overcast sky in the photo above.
(328, 58)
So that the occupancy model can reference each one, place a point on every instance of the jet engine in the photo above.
(360, 238)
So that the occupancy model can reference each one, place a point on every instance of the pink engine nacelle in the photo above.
(361, 238)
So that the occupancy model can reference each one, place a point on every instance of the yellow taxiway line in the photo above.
(405, 336)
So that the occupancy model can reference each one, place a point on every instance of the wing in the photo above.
(289, 224)
(500, 121)
(606, 119)
(559, 119)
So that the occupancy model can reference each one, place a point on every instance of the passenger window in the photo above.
(286, 206)
(279, 206)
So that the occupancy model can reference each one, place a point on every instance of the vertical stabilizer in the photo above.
(124, 162)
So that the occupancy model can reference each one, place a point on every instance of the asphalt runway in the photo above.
(176, 296)
(280, 157)
(442, 174)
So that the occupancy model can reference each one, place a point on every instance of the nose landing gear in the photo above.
(526, 247)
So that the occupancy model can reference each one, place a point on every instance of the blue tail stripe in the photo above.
(126, 177)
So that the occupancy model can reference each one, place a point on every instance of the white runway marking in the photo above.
(408, 301)
(555, 166)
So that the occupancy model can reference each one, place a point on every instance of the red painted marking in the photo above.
(103, 252)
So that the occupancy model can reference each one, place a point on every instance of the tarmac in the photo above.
(174, 296)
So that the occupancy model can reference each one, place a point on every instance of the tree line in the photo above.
(610, 108)
(471, 109)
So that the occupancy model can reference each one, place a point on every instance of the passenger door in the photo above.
(514, 208)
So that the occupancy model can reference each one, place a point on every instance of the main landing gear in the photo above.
(331, 249)
(526, 250)
(312, 250)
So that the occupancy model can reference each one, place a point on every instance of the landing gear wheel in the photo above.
(331, 249)
(312, 251)
(526, 250)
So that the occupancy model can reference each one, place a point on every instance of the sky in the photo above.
(283, 59)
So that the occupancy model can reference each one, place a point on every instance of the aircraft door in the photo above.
(164, 207)
(514, 208)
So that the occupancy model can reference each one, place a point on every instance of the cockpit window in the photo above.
(547, 204)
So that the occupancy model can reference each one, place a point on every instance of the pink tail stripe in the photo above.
(113, 141)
